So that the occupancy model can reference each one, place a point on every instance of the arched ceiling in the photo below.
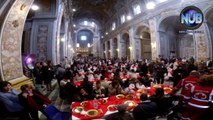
(171, 23)
(99, 10)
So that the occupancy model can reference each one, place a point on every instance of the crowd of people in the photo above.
(94, 78)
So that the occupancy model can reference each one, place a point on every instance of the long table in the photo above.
(106, 106)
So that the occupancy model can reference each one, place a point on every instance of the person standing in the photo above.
(37, 73)
(47, 74)
(186, 84)
(201, 99)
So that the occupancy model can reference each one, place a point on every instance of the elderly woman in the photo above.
(33, 100)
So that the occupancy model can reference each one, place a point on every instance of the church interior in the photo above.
(106, 59)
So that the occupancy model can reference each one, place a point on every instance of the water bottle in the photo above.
(95, 103)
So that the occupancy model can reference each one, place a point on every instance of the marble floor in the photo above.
(56, 100)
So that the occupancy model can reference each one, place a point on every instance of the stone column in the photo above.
(138, 48)
(59, 16)
(201, 44)
(119, 45)
(66, 37)
(95, 45)
(112, 48)
(10, 41)
(106, 50)
(132, 44)
(155, 45)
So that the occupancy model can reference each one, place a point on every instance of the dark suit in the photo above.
(145, 110)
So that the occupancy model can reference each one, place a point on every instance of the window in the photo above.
(85, 23)
(83, 37)
(77, 45)
(123, 18)
(93, 24)
(88, 45)
(113, 26)
(137, 9)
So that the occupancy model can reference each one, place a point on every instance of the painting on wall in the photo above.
(42, 38)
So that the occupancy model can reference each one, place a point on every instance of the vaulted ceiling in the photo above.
(99, 10)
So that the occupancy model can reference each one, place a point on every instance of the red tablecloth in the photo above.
(113, 100)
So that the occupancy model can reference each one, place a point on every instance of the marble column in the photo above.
(201, 43)
(106, 50)
(155, 45)
(138, 48)
(132, 44)
(119, 45)
(60, 11)
(95, 45)
(10, 41)
(112, 48)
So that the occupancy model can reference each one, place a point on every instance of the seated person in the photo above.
(104, 82)
(87, 86)
(122, 114)
(78, 76)
(9, 100)
(115, 88)
(164, 102)
(33, 100)
(99, 90)
(70, 90)
(146, 110)
(90, 76)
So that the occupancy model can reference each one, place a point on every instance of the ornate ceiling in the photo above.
(99, 10)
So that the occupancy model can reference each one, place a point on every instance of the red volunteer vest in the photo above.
(201, 97)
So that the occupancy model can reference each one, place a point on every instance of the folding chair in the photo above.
(52, 113)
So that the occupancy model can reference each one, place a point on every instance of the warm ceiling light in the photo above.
(34, 7)
(73, 10)
(128, 17)
(74, 25)
(106, 33)
(69, 46)
(150, 5)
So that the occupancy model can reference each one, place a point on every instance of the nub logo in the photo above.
(191, 17)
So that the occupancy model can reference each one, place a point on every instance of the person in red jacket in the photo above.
(33, 101)
(201, 99)
(186, 84)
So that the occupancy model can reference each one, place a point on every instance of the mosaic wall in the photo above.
(42, 38)
(11, 63)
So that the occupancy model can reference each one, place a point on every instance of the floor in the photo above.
(56, 100)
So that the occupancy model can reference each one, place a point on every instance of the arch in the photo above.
(209, 29)
(172, 43)
(143, 41)
(125, 46)
(10, 40)
(85, 28)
